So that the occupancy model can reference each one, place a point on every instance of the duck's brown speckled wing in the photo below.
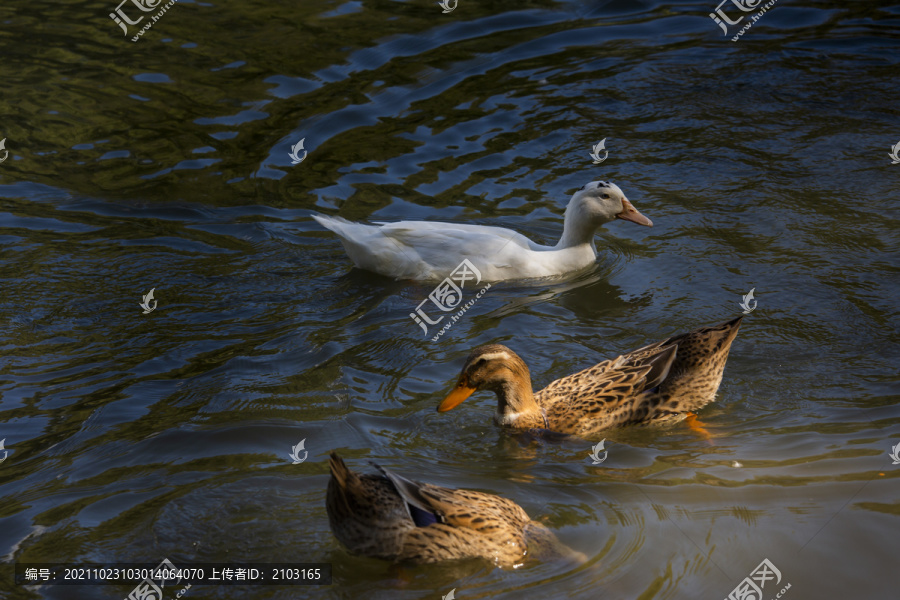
(471, 523)
(660, 381)
(366, 513)
(607, 394)
(370, 515)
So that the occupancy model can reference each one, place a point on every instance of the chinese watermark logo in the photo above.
(146, 6)
(746, 303)
(595, 453)
(751, 587)
(746, 6)
(895, 151)
(295, 159)
(450, 595)
(295, 452)
(448, 295)
(6, 452)
(445, 4)
(6, 152)
(895, 453)
(148, 590)
(721, 18)
(601, 145)
(146, 303)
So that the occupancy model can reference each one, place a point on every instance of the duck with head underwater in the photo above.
(390, 517)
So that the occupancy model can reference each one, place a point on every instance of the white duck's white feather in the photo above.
(429, 251)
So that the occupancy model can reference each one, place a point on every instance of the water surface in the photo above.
(164, 163)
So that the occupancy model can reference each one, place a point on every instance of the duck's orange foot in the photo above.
(694, 424)
(400, 574)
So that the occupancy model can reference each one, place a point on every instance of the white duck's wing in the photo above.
(430, 251)
(495, 251)
(477, 239)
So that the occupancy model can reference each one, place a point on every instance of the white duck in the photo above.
(429, 251)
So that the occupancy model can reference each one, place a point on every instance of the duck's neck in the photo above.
(516, 406)
(578, 229)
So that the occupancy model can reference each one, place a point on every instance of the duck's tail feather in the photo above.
(338, 225)
(343, 478)
(661, 364)
(420, 510)
(700, 361)
(369, 247)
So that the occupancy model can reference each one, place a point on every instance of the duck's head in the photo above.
(493, 367)
(600, 202)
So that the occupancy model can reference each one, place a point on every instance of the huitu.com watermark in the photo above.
(147, 298)
(895, 153)
(751, 588)
(595, 452)
(146, 6)
(447, 296)
(148, 588)
(723, 20)
(295, 452)
(296, 159)
(748, 308)
(595, 151)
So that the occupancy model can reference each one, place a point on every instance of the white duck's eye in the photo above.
(605, 196)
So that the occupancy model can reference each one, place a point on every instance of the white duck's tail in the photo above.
(366, 246)
(353, 235)
(342, 227)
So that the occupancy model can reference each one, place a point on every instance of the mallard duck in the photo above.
(390, 517)
(664, 381)
(429, 251)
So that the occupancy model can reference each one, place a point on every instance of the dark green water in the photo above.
(163, 163)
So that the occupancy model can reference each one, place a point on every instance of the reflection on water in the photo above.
(166, 164)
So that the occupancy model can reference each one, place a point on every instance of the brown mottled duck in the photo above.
(390, 517)
(665, 381)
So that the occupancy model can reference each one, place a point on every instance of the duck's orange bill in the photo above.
(630, 213)
(456, 397)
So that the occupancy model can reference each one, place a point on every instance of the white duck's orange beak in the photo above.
(630, 213)
(457, 396)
